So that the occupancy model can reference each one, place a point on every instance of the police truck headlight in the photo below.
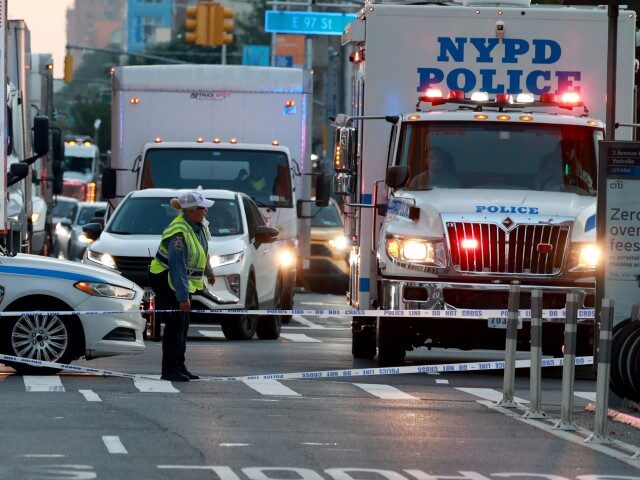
(97, 289)
(221, 260)
(584, 256)
(415, 250)
(286, 257)
(101, 258)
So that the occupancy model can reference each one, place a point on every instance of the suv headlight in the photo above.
(101, 258)
(416, 250)
(221, 260)
(105, 290)
(584, 256)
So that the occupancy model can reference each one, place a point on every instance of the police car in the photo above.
(40, 289)
(249, 264)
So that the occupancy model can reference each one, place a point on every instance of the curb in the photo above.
(617, 416)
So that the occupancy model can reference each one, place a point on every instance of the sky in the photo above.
(47, 22)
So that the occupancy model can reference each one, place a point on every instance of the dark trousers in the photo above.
(176, 325)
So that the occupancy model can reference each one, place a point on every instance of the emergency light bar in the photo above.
(480, 100)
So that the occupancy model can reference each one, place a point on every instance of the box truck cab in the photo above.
(81, 169)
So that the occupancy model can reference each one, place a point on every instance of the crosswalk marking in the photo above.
(211, 333)
(271, 387)
(146, 385)
(299, 337)
(591, 396)
(43, 383)
(386, 392)
(305, 322)
(113, 444)
(90, 395)
(442, 381)
(489, 394)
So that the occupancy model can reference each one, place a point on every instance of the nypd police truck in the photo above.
(469, 162)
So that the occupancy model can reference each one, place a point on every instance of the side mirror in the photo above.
(108, 183)
(57, 154)
(344, 152)
(41, 135)
(92, 230)
(397, 176)
(344, 184)
(17, 171)
(323, 190)
(266, 234)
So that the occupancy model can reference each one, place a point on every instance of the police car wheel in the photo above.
(40, 337)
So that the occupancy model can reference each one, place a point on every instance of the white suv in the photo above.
(249, 264)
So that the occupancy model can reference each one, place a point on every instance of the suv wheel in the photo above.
(243, 327)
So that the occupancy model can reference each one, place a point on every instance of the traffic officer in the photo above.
(176, 272)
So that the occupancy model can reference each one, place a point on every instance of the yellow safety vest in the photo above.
(196, 255)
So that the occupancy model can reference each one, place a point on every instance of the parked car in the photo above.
(29, 283)
(71, 240)
(64, 208)
(248, 262)
(329, 260)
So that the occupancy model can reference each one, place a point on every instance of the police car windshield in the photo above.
(151, 215)
(553, 158)
(263, 175)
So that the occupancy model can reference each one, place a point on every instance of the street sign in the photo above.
(309, 23)
(259, 55)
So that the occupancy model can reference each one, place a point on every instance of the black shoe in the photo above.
(189, 374)
(175, 377)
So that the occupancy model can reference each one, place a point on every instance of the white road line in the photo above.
(234, 444)
(42, 455)
(90, 395)
(270, 387)
(442, 381)
(299, 337)
(305, 322)
(489, 394)
(154, 386)
(113, 444)
(386, 392)
(211, 333)
(43, 383)
(591, 396)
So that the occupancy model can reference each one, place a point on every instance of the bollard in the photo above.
(602, 383)
(568, 366)
(535, 393)
(510, 348)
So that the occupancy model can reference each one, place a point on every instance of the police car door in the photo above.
(264, 255)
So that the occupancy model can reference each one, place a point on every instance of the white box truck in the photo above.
(478, 194)
(214, 127)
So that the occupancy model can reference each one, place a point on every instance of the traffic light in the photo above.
(220, 24)
(68, 68)
(197, 24)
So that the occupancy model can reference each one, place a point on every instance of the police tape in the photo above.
(311, 375)
(549, 314)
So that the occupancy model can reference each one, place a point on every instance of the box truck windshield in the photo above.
(263, 175)
(551, 158)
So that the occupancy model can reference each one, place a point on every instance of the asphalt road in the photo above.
(391, 427)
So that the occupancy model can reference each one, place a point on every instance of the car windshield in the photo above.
(63, 208)
(263, 175)
(151, 215)
(552, 158)
(326, 217)
(87, 212)
(78, 164)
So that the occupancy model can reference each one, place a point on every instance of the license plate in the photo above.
(501, 323)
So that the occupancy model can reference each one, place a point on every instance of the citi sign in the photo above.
(504, 60)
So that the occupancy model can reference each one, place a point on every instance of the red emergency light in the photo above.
(570, 98)
(456, 95)
(469, 244)
(504, 98)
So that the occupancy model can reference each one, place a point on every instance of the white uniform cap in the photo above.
(193, 199)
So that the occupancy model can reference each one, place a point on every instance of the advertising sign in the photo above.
(619, 212)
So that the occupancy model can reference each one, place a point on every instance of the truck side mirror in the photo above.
(41, 135)
(397, 176)
(92, 230)
(17, 171)
(344, 184)
(108, 183)
(57, 153)
(323, 190)
(344, 152)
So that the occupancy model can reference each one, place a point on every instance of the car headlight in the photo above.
(82, 238)
(101, 258)
(97, 289)
(584, 256)
(286, 257)
(339, 243)
(221, 260)
(415, 250)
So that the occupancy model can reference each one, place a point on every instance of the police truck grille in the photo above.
(134, 268)
(524, 249)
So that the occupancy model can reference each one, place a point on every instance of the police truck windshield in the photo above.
(550, 158)
(263, 175)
